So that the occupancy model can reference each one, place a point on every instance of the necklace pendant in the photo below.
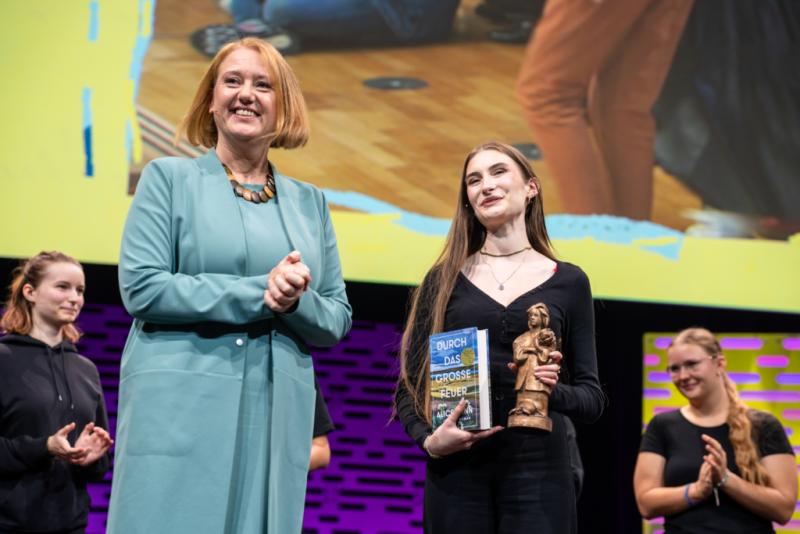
(501, 287)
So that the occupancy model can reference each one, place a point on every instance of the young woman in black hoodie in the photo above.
(53, 437)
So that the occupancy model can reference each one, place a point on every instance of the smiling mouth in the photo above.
(243, 112)
(490, 201)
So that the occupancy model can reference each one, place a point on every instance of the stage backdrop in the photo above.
(95, 88)
(766, 370)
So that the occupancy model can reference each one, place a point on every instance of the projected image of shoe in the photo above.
(208, 40)
(710, 222)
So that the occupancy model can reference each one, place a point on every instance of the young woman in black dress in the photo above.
(497, 262)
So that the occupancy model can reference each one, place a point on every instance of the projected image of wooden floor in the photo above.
(402, 147)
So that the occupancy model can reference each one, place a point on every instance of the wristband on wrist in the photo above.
(723, 480)
(689, 501)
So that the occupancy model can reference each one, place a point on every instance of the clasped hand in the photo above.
(286, 283)
(90, 446)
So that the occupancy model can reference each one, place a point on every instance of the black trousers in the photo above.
(516, 481)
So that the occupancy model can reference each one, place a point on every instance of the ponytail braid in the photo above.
(740, 434)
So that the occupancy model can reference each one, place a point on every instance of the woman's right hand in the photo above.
(448, 438)
(58, 445)
(701, 489)
(286, 283)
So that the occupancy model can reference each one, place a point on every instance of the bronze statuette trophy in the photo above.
(532, 349)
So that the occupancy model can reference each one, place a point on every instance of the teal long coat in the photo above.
(182, 277)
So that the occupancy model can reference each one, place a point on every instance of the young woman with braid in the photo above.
(496, 264)
(714, 465)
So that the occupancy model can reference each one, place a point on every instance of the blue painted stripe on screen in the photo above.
(619, 230)
(94, 20)
(604, 228)
(412, 221)
(146, 13)
(86, 101)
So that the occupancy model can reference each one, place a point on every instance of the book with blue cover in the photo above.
(460, 369)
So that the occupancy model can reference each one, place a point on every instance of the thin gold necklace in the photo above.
(501, 285)
(257, 197)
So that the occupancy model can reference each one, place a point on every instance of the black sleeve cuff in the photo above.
(35, 451)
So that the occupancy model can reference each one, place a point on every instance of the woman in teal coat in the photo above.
(230, 270)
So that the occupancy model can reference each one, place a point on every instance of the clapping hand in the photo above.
(286, 283)
(95, 441)
(58, 445)
(716, 459)
(449, 438)
(703, 486)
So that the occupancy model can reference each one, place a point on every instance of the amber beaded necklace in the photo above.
(257, 197)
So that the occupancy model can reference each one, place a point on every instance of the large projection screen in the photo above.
(93, 90)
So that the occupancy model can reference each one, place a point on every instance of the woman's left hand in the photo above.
(548, 373)
(96, 441)
(286, 283)
(717, 458)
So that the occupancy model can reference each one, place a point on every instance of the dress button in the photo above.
(239, 342)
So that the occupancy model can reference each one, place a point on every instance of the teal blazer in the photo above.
(182, 275)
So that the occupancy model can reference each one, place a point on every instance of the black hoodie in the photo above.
(43, 388)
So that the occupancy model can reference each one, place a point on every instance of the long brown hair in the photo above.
(429, 300)
(741, 428)
(17, 317)
(291, 127)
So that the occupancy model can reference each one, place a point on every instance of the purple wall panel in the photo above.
(374, 482)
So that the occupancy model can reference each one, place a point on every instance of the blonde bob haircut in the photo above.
(291, 125)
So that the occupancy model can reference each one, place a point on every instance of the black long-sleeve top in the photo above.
(43, 388)
(568, 296)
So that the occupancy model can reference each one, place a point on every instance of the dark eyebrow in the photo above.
(500, 164)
